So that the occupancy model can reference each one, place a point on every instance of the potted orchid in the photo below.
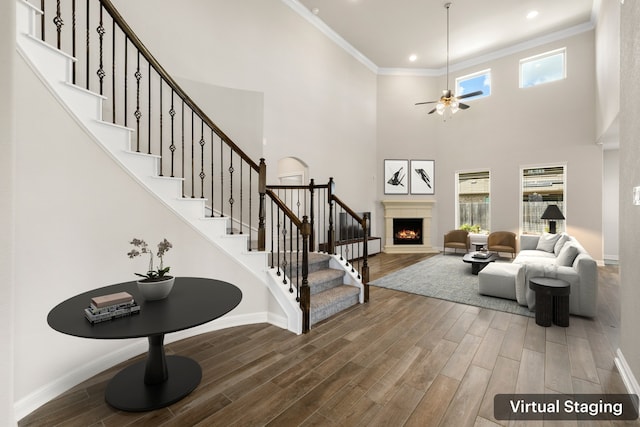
(155, 283)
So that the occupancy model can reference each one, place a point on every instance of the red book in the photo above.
(111, 299)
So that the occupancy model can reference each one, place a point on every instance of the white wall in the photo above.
(510, 129)
(629, 178)
(319, 102)
(607, 65)
(7, 219)
(610, 203)
(77, 211)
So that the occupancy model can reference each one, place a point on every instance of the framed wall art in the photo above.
(396, 177)
(422, 173)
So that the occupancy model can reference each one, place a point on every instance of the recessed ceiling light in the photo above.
(315, 11)
(413, 57)
(532, 14)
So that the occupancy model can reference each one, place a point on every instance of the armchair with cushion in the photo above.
(456, 239)
(502, 241)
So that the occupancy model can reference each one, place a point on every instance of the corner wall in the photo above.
(630, 178)
(7, 218)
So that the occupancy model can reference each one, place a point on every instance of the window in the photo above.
(541, 186)
(473, 82)
(543, 68)
(473, 199)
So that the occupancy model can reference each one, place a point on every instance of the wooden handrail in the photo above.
(172, 83)
(285, 209)
(347, 208)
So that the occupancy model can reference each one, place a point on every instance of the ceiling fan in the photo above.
(448, 100)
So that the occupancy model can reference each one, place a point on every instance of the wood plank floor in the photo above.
(401, 360)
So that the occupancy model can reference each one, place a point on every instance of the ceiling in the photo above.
(387, 32)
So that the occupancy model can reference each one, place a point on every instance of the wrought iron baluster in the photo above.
(88, 56)
(161, 132)
(272, 254)
(183, 174)
(138, 114)
(221, 180)
(57, 20)
(250, 207)
(113, 69)
(101, 31)
(240, 221)
(172, 147)
(73, 40)
(231, 201)
(126, 79)
(202, 174)
(212, 175)
(193, 192)
(42, 20)
(149, 109)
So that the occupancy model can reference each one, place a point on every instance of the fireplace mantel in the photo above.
(408, 209)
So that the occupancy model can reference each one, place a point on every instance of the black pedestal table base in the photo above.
(127, 390)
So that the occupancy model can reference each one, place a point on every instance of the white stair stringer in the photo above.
(54, 67)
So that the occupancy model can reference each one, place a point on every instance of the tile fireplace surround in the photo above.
(408, 209)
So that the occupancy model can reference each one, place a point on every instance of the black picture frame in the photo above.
(422, 176)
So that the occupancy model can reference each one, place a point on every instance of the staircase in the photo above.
(334, 284)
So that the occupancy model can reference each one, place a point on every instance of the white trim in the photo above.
(330, 33)
(629, 380)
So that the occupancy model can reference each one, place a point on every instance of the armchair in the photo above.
(502, 241)
(456, 239)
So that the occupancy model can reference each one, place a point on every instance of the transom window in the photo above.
(473, 82)
(473, 201)
(544, 68)
(541, 186)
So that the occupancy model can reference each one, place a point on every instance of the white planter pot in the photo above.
(152, 291)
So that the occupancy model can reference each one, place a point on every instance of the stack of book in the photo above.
(107, 307)
(481, 255)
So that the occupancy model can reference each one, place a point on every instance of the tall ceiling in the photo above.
(387, 32)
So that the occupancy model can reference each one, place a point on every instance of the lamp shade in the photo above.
(552, 212)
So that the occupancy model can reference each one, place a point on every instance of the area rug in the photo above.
(447, 277)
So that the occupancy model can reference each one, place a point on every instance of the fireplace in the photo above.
(414, 234)
(407, 231)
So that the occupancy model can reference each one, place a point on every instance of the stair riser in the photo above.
(316, 288)
(336, 307)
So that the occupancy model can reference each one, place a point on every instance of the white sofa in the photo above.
(560, 256)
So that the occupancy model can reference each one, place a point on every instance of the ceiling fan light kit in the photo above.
(449, 104)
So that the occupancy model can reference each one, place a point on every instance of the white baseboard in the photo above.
(44, 394)
(630, 382)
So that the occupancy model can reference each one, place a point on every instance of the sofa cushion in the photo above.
(564, 238)
(547, 242)
(567, 255)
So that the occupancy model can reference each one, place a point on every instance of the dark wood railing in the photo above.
(111, 60)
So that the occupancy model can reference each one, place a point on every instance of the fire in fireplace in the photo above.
(407, 231)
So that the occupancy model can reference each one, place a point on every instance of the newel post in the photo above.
(365, 254)
(312, 236)
(305, 290)
(262, 189)
(331, 232)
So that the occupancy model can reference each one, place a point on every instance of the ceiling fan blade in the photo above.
(469, 95)
(463, 106)
(426, 102)
(432, 111)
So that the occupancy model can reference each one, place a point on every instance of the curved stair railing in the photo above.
(109, 59)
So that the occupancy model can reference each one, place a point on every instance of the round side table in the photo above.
(552, 300)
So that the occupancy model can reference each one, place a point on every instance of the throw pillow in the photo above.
(547, 242)
(567, 255)
(564, 238)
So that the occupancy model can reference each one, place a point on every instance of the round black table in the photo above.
(552, 300)
(159, 380)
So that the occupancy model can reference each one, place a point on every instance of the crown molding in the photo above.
(435, 72)
(332, 35)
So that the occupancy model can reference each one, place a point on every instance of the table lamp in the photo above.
(552, 213)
